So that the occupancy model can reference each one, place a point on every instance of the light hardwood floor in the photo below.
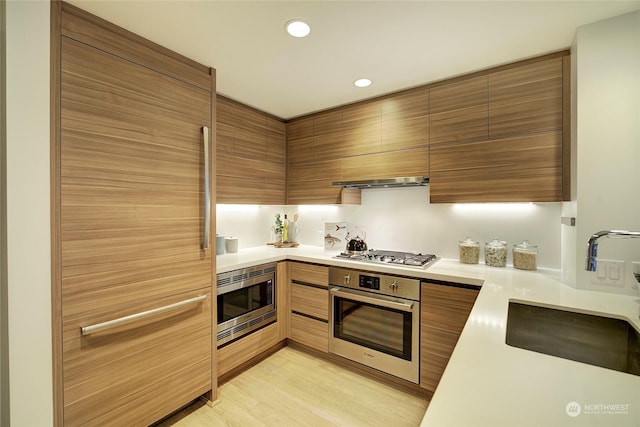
(293, 388)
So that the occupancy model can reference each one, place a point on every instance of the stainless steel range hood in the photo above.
(409, 181)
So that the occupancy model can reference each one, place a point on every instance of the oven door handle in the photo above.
(408, 307)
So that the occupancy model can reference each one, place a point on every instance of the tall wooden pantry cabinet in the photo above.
(133, 133)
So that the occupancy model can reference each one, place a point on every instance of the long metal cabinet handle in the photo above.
(86, 330)
(375, 301)
(207, 189)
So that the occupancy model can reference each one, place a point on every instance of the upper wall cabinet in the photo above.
(250, 155)
(459, 111)
(501, 137)
(493, 136)
(526, 99)
(405, 121)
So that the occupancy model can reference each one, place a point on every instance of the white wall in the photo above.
(4, 336)
(403, 219)
(607, 130)
(28, 235)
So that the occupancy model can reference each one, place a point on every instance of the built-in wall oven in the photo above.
(375, 321)
(246, 301)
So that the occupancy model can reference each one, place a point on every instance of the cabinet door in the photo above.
(444, 310)
(405, 121)
(459, 111)
(251, 156)
(300, 140)
(131, 197)
(414, 162)
(526, 168)
(526, 99)
(361, 131)
(328, 141)
(309, 183)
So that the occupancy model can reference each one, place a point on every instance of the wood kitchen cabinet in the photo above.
(405, 122)
(309, 306)
(250, 156)
(459, 111)
(309, 183)
(128, 192)
(526, 99)
(444, 310)
(236, 353)
(520, 152)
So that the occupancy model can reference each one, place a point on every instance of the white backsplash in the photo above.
(403, 219)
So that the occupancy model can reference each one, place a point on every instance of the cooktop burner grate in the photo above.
(391, 257)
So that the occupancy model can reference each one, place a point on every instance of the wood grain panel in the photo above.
(527, 168)
(361, 128)
(327, 136)
(310, 300)
(405, 121)
(249, 181)
(250, 346)
(310, 273)
(283, 298)
(300, 140)
(109, 374)
(391, 164)
(313, 192)
(444, 310)
(91, 30)
(310, 332)
(276, 141)
(459, 111)
(249, 128)
(526, 99)
(309, 183)
(131, 195)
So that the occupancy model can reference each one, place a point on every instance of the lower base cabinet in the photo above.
(444, 310)
(309, 305)
(238, 352)
(310, 332)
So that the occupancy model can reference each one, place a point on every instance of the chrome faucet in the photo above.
(592, 246)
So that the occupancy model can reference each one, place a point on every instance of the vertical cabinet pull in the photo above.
(207, 189)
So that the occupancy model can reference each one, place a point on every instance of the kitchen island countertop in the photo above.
(487, 382)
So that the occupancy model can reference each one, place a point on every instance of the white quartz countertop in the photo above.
(488, 383)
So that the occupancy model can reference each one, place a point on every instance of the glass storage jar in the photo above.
(525, 255)
(495, 253)
(469, 251)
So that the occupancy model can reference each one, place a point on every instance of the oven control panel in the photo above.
(402, 287)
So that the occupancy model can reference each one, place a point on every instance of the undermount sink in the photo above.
(596, 340)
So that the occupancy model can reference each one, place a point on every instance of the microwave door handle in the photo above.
(372, 300)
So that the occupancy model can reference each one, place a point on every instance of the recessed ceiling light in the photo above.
(297, 28)
(362, 82)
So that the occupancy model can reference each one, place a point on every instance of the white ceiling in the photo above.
(397, 44)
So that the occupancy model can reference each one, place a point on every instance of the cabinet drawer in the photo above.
(246, 348)
(310, 332)
(310, 300)
(309, 273)
(139, 371)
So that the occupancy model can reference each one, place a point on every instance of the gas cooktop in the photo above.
(410, 259)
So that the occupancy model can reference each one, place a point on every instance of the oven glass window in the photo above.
(244, 300)
(379, 328)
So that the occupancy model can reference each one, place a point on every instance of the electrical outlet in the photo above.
(609, 272)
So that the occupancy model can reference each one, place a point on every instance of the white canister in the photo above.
(231, 244)
(220, 244)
